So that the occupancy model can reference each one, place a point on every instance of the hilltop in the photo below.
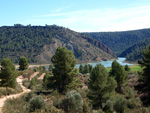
(38, 44)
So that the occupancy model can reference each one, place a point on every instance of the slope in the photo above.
(134, 52)
(120, 41)
(38, 44)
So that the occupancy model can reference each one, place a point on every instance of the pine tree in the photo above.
(23, 64)
(100, 85)
(127, 68)
(81, 69)
(32, 83)
(144, 76)
(90, 67)
(86, 69)
(119, 74)
(64, 62)
(45, 80)
(8, 73)
(50, 68)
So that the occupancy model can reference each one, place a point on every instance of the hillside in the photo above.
(38, 44)
(120, 41)
(134, 52)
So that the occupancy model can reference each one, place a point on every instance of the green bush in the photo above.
(29, 96)
(134, 103)
(98, 111)
(16, 105)
(86, 107)
(8, 91)
(120, 104)
(36, 103)
(73, 102)
(51, 109)
(26, 83)
(108, 108)
(129, 93)
(33, 83)
(27, 73)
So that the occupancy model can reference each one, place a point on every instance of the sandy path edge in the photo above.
(25, 90)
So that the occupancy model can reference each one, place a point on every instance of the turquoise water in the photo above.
(108, 63)
(105, 63)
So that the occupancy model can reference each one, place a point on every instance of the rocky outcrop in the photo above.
(100, 45)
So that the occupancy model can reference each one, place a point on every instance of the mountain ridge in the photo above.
(38, 44)
(121, 40)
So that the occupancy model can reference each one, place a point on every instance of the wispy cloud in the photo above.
(99, 20)
(60, 9)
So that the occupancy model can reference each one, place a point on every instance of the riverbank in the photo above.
(83, 63)
(133, 68)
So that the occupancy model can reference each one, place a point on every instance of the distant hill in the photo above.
(38, 44)
(134, 52)
(120, 41)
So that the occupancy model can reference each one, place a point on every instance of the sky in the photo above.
(78, 15)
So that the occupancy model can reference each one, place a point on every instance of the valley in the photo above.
(129, 44)
(67, 68)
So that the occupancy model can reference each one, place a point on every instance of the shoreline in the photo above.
(33, 65)
(96, 61)
(38, 65)
(133, 63)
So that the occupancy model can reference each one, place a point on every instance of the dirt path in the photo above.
(42, 76)
(33, 75)
(25, 90)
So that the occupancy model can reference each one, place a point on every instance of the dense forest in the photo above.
(120, 41)
(134, 52)
(38, 44)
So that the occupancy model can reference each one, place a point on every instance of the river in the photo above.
(105, 63)
(108, 63)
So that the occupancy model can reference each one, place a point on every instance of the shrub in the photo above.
(98, 111)
(129, 93)
(134, 103)
(51, 109)
(26, 83)
(73, 102)
(120, 104)
(27, 73)
(7, 91)
(29, 96)
(86, 107)
(33, 83)
(16, 105)
(36, 103)
(108, 108)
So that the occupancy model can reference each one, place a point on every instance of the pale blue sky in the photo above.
(78, 15)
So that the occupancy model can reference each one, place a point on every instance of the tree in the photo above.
(45, 80)
(119, 74)
(86, 69)
(100, 85)
(64, 62)
(32, 83)
(127, 68)
(144, 76)
(23, 64)
(8, 73)
(90, 67)
(81, 69)
(36, 103)
(50, 68)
